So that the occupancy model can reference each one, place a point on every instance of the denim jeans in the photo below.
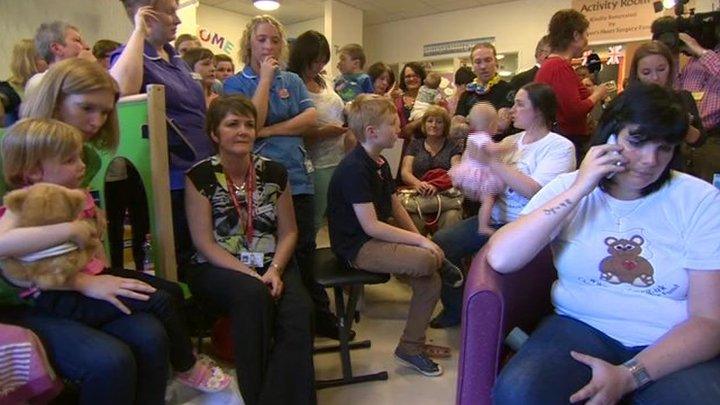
(163, 304)
(123, 362)
(543, 372)
(457, 242)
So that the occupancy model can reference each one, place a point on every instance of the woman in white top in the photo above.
(637, 250)
(539, 157)
(325, 141)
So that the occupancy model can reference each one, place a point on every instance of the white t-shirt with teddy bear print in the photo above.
(623, 265)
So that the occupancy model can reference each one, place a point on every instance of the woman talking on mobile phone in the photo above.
(637, 308)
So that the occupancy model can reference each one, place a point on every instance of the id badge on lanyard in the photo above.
(252, 259)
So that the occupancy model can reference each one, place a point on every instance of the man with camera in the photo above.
(701, 77)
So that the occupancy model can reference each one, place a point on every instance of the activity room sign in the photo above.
(617, 20)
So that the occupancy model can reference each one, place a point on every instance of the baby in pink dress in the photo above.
(473, 174)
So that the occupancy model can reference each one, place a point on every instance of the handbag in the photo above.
(439, 178)
(430, 206)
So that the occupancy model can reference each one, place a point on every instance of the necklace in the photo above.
(619, 218)
(433, 149)
(242, 198)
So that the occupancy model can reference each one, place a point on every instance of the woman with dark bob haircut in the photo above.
(568, 37)
(243, 227)
(637, 306)
(382, 77)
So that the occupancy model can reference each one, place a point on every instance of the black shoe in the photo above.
(441, 322)
(330, 330)
(451, 274)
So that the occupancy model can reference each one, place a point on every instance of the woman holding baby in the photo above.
(536, 157)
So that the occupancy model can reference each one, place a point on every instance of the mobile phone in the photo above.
(612, 140)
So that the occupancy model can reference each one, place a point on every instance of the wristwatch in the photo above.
(638, 371)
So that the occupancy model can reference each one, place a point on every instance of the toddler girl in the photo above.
(473, 174)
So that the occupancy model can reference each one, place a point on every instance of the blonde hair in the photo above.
(368, 110)
(249, 31)
(482, 116)
(436, 111)
(23, 63)
(70, 77)
(31, 141)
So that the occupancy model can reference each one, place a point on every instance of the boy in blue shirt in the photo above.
(352, 81)
(361, 200)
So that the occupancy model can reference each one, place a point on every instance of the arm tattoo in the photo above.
(556, 209)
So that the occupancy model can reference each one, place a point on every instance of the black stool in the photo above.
(332, 272)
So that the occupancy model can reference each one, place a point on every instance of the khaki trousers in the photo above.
(414, 266)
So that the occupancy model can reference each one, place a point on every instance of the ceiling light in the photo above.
(267, 5)
(669, 3)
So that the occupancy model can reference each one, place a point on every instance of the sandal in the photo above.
(436, 352)
(205, 376)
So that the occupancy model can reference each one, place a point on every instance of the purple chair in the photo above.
(493, 304)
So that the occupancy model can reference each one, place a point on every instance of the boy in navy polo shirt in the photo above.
(361, 200)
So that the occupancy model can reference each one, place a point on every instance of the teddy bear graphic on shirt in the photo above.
(625, 265)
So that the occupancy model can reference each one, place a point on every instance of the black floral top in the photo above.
(270, 179)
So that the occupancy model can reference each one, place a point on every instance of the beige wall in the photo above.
(294, 30)
(220, 31)
(516, 26)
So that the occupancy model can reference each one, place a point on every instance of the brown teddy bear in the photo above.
(47, 204)
(625, 265)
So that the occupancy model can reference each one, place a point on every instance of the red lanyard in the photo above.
(249, 189)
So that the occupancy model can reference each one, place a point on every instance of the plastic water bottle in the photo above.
(148, 265)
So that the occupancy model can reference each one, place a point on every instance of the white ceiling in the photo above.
(375, 11)
(290, 11)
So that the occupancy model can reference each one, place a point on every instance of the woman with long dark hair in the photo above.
(325, 141)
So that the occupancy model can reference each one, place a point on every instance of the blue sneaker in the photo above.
(419, 362)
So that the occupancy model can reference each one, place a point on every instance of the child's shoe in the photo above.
(419, 362)
(205, 376)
